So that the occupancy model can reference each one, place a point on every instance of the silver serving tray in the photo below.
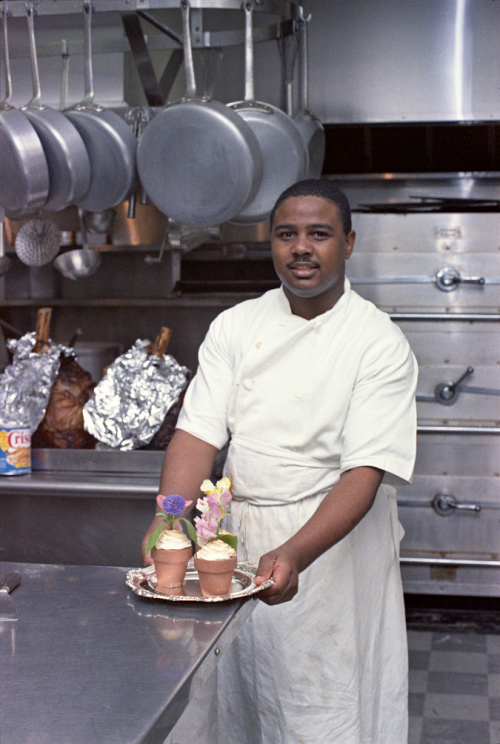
(143, 582)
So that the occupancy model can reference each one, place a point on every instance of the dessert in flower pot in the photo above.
(215, 559)
(170, 548)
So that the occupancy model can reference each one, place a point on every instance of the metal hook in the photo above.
(302, 19)
(157, 259)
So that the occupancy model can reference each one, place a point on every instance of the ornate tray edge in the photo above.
(136, 575)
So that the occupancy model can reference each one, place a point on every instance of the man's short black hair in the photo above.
(323, 189)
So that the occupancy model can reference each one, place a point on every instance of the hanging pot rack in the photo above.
(289, 20)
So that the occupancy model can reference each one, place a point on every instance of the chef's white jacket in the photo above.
(301, 402)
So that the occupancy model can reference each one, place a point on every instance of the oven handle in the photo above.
(442, 429)
(449, 562)
(446, 393)
(469, 317)
(446, 504)
(446, 279)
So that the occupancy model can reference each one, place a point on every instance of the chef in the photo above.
(314, 388)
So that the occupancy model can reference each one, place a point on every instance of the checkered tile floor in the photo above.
(454, 688)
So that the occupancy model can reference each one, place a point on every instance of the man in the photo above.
(314, 387)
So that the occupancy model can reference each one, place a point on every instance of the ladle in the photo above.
(80, 262)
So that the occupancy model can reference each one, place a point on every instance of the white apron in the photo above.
(331, 665)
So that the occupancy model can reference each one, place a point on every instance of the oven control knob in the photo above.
(448, 279)
(446, 504)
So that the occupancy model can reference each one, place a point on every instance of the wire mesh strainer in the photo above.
(37, 242)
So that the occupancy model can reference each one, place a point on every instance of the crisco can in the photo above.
(15, 450)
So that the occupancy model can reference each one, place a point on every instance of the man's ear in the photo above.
(349, 244)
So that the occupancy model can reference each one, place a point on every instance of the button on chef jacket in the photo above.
(301, 402)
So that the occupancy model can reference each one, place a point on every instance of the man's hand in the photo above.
(282, 565)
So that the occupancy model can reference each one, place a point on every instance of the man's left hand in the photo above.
(281, 565)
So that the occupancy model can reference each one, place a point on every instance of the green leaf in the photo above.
(153, 538)
(191, 530)
(231, 540)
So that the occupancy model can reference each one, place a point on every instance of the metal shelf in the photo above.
(220, 300)
(288, 22)
(283, 8)
(216, 300)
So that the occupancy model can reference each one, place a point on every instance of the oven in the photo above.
(427, 252)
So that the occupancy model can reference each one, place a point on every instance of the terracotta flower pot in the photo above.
(215, 576)
(170, 567)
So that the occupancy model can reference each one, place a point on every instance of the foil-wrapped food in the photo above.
(45, 388)
(131, 402)
(25, 384)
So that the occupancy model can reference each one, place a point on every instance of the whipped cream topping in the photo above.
(216, 550)
(172, 540)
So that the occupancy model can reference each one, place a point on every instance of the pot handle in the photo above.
(288, 48)
(249, 81)
(63, 102)
(35, 74)
(188, 51)
(211, 58)
(6, 60)
(304, 64)
(88, 98)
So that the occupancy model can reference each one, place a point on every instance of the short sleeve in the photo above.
(380, 427)
(204, 412)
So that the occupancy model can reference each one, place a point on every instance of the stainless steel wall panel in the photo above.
(406, 280)
(401, 187)
(443, 233)
(458, 536)
(435, 60)
(454, 342)
(469, 408)
(458, 455)
(475, 582)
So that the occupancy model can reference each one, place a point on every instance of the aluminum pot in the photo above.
(281, 144)
(67, 158)
(24, 182)
(109, 141)
(198, 161)
(308, 124)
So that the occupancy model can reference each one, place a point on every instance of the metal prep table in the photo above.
(80, 507)
(90, 662)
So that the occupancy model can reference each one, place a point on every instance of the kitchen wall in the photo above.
(385, 61)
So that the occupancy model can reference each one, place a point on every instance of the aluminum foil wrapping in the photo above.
(25, 384)
(129, 404)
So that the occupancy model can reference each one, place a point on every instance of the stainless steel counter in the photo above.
(77, 505)
(90, 662)
(69, 484)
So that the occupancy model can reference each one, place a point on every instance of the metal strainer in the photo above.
(37, 242)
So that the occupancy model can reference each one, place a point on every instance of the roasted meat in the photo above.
(166, 431)
(62, 426)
